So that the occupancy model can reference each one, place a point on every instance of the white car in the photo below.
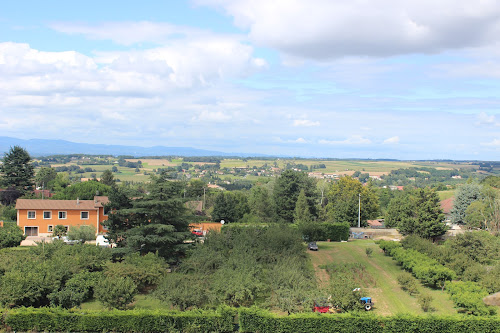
(102, 241)
(66, 240)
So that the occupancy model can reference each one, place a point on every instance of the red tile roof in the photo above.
(447, 205)
(62, 204)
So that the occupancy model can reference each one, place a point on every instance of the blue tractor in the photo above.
(367, 303)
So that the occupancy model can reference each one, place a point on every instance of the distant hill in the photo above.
(40, 147)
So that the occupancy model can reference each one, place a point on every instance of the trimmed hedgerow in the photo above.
(256, 320)
(56, 319)
(466, 295)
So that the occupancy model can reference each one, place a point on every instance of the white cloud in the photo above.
(322, 29)
(217, 116)
(128, 33)
(305, 123)
(495, 143)
(484, 119)
(392, 140)
(298, 140)
(353, 140)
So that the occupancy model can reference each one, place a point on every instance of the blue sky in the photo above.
(317, 78)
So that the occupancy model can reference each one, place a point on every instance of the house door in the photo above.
(31, 231)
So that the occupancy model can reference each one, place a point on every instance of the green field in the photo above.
(388, 297)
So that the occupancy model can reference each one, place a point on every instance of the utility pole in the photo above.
(359, 211)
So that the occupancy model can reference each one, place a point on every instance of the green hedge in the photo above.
(255, 320)
(466, 295)
(250, 320)
(57, 320)
(336, 232)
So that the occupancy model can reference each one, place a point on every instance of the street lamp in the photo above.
(359, 211)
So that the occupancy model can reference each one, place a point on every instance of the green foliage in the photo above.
(286, 192)
(42, 275)
(59, 231)
(408, 283)
(425, 302)
(230, 206)
(157, 222)
(479, 246)
(107, 178)
(428, 270)
(315, 231)
(45, 177)
(115, 292)
(183, 291)
(469, 297)
(257, 320)
(302, 212)
(10, 235)
(17, 170)
(59, 320)
(243, 265)
(465, 195)
(146, 271)
(83, 191)
(417, 212)
(8, 213)
(262, 205)
(78, 289)
(82, 233)
(343, 201)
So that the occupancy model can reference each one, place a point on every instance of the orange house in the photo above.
(38, 217)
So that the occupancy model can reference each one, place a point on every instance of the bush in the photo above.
(369, 251)
(82, 233)
(146, 271)
(469, 297)
(115, 292)
(425, 302)
(10, 235)
(59, 320)
(408, 283)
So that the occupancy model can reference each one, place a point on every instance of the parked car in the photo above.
(66, 240)
(102, 241)
(312, 246)
(197, 232)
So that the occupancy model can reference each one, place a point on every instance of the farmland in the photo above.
(388, 297)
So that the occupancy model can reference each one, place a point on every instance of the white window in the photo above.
(47, 215)
(84, 215)
(31, 214)
(50, 228)
(62, 215)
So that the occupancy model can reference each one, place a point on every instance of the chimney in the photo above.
(77, 201)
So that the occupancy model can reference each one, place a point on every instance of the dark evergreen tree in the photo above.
(417, 212)
(286, 192)
(107, 178)
(157, 222)
(17, 170)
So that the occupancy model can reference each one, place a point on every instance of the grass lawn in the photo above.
(443, 195)
(142, 301)
(388, 297)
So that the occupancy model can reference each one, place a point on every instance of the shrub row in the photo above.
(250, 320)
(255, 320)
(469, 297)
(466, 295)
(315, 231)
(428, 270)
(59, 320)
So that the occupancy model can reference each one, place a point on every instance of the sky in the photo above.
(399, 79)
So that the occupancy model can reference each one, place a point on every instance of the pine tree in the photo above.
(157, 222)
(17, 170)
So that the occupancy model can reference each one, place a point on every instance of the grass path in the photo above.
(387, 296)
